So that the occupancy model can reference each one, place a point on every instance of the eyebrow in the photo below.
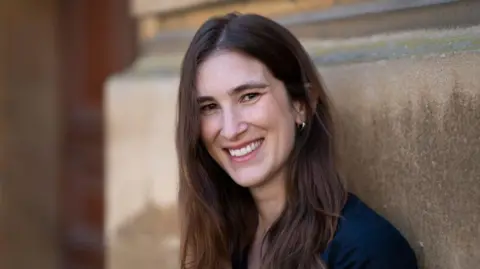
(237, 90)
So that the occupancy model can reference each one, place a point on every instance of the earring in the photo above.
(301, 126)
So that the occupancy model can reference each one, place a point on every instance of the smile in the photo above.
(245, 150)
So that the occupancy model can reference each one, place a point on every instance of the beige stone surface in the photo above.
(194, 17)
(411, 149)
(141, 179)
(155, 6)
(149, 240)
(410, 141)
(141, 159)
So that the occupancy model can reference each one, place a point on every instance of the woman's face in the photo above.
(248, 123)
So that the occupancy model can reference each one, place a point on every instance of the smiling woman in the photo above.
(247, 125)
(259, 185)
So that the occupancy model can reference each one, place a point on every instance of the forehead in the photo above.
(225, 70)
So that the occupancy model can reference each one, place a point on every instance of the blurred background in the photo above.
(87, 108)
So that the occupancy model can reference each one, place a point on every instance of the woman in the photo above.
(259, 186)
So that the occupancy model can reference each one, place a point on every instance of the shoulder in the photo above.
(366, 240)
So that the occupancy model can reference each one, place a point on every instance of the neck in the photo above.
(270, 200)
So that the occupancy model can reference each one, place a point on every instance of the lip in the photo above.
(249, 156)
(239, 146)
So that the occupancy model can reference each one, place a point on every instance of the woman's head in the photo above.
(252, 109)
(247, 120)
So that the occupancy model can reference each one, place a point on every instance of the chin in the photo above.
(248, 181)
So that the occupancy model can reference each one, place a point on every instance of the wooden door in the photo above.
(97, 39)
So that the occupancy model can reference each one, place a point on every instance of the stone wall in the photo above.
(141, 171)
(140, 7)
(163, 17)
(411, 149)
(409, 136)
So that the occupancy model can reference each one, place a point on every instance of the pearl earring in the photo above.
(301, 126)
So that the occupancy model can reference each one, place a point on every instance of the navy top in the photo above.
(363, 240)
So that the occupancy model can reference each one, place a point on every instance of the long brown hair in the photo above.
(218, 217)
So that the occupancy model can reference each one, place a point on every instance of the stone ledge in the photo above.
(347, 11)
(344, 51)
(393, 46)
(356, 19)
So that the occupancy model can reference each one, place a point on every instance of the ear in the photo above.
(299, 110)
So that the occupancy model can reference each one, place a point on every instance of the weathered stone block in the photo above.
(411, 149)
(141, 172)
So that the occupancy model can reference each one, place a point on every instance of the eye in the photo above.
(249, 97)
(208, 108)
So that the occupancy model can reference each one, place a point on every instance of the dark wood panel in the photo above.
(97, 39)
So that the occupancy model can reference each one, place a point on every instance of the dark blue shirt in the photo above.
(364, 240)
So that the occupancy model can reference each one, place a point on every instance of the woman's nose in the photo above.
(233, 125)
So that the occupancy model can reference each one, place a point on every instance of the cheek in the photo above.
(264, 114)
(257, 115)
(275, 115)
(208, 130)
(282, 125)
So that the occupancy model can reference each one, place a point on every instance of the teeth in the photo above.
(245, 150)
